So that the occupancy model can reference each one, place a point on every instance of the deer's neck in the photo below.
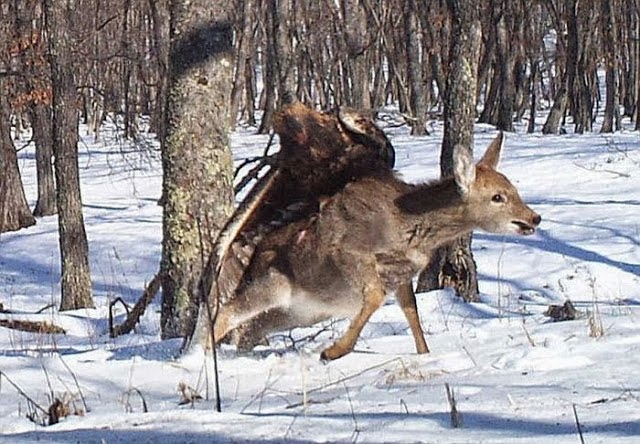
(435, 214)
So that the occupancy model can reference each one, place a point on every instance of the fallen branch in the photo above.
(137, 311)
(32, 326)
(8, 311)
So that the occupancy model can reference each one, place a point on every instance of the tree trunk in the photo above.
(42, 136)
(197, 183)
(270, 68)
(506, 62)
(414, 71)
(609, 37)
(243, 31)
(356, 40)
(36, 85)
(160, 26)
(552, 124)
(14, 209)
(637, 51)
(453, 265)
(565, 73)
(74, 250)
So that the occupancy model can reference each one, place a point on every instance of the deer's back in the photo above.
(338, 250)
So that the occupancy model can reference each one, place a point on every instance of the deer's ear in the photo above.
(492, 155)
(464, 171)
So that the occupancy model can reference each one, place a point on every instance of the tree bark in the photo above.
(506, 62)
(74, 250)
(159, 16)
(414, 71)
(243, 30)
(270, 67)
(609, 40)
(197, 182)
(453, 265)
(36, 86)
(43, 138)
(636, 33)
(356, 35)
(565, 73)
(14, 209)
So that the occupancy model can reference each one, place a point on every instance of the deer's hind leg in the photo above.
(255, 332)
(373, 297)
(270, 291)
(407, 300)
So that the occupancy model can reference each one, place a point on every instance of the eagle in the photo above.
(320, 153)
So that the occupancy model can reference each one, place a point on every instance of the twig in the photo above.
(144, 402)
(456, 417)
(259, 395)
(46, 307)
(75, 380)
(214, 353)
(137, 311)
(356, 429)
(404, 405)
(615, 173)
(464, 348)
(111, 305)
(212, 317)
(21, 392)
(526, 332)
(354, 375)
(253, 172)
(46, 375)
(265, 159)
(575, 415)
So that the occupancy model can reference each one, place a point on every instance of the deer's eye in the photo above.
(498, 198)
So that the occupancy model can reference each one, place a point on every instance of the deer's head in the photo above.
(491, 201)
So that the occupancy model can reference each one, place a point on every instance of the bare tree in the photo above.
(14, 209)
(36, 98)
(74, 250)
(414, 72)
(610, 51)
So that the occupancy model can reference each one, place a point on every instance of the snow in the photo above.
(517, 377)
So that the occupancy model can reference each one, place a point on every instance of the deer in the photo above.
(366, 242)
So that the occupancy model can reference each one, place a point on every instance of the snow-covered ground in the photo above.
(516, 376)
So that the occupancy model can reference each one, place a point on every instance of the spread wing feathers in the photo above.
(319, 154)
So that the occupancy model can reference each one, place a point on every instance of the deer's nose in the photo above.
(536, 219)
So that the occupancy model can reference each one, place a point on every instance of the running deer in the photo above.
(366, 242)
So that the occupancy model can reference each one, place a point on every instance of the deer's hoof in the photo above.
(332, 353)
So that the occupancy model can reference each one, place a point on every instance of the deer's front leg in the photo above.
(373, 298)
(407, 300)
